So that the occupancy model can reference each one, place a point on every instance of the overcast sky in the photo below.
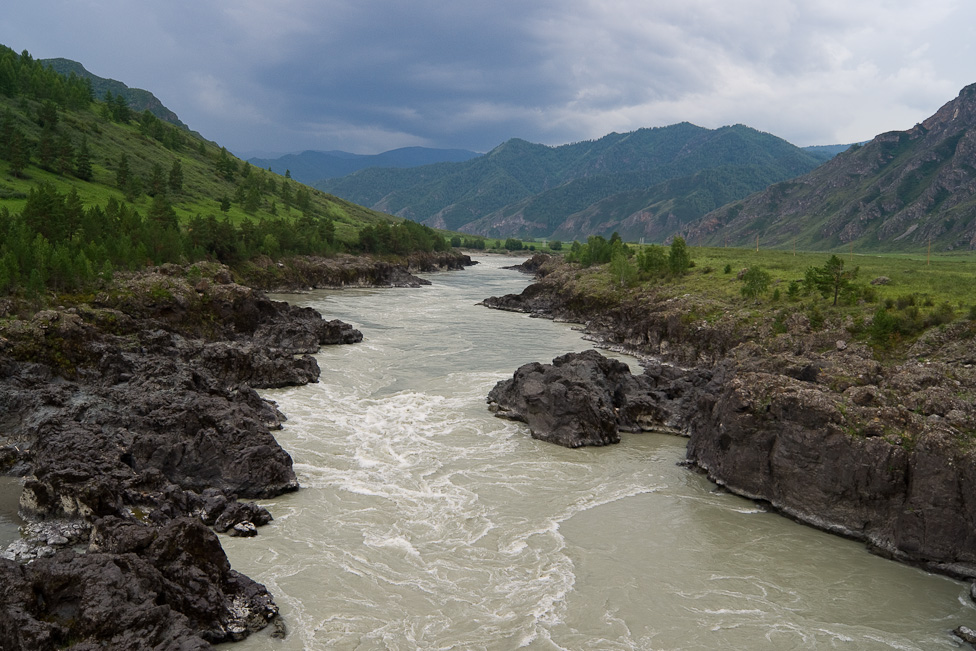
(370, 75)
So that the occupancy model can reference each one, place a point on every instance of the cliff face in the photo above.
(882, 454)
(807, 420)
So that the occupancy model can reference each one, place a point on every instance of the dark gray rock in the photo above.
(139, 586)
(125, 418)
(580, 399)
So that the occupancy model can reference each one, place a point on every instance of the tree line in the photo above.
(56, 243)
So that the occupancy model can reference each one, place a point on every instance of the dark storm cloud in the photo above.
(377, 74)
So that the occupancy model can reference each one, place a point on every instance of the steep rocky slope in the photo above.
(901, 191)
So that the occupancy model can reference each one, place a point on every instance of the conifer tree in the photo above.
(122, 173)
(176, 177)
(157, 181)
(83, 164)
(286, 196)
(64, 154)
(20, 152)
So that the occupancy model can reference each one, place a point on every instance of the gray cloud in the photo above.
(371, 75)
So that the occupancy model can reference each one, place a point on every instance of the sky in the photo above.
(366, 76)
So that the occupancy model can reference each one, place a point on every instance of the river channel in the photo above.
(424, 522)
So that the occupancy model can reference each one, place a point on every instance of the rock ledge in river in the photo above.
(580, 399)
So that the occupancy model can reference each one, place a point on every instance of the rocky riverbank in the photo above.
(305, 272)
(800, 417)
(133, 419)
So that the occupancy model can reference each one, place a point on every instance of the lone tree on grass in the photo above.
(831, 278)
(679, 257)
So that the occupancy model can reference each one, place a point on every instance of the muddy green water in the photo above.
(10, 522)
(426, 523)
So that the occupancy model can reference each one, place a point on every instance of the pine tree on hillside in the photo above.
(123, 175)
(83, 164)
(20, 153)
(175, 180)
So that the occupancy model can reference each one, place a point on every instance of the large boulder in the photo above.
(580, 399)
(137, 587)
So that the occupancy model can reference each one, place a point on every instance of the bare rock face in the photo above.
(136, 426)
(587, 398)
(570, 402)
(138, 587)
(882, 474)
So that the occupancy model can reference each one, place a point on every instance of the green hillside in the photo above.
(138, 99)
(643, 184)
(88, 187)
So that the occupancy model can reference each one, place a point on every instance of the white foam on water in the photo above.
(426, 523)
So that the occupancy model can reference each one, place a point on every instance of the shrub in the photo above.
(755, 282)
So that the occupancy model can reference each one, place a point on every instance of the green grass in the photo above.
(922, 293)
(942, 278)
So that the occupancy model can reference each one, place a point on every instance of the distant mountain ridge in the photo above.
(312, 166)
(139, 100)
(903, 190)
(643, 184)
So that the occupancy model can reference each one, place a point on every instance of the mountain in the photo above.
(642, 184)
(139, 100)
(312, 166)
(826, 152)
(903, 190)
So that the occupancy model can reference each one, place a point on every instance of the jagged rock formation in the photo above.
(587, 398)
(138, 587)
(304, 272)
(135, 423)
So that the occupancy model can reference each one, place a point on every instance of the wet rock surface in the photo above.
(587, 399)
(136, 426)
(808, 421)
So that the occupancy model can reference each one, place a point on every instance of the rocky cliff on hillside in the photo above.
(134, 422)
(903, 190)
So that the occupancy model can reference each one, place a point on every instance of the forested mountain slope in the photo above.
(903, 190)
(89, 186)
(643, 184)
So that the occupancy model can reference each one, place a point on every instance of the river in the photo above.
(424, 522)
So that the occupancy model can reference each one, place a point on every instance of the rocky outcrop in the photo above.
(575, 401)
(536, 265)
(882, 454)
(138, 587)
(587, 398)
(807, 421)
(308, 272)
(135, 423)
